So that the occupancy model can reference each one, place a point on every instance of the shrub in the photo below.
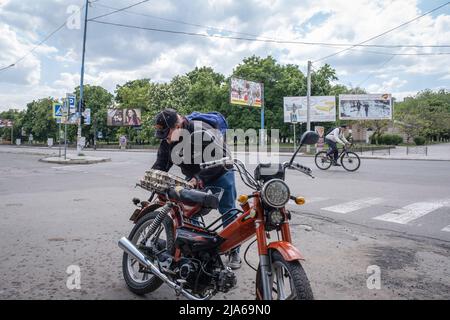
(419, 141)
(390, 139)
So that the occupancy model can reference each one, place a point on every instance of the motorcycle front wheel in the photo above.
(288, 280)
(139, 280)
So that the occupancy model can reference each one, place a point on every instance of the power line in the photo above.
(41, 42)
(7, 67)
(384, 33)
(118, 10)
(325, 44)
(372, 74)
(241, 38)
(184, 22)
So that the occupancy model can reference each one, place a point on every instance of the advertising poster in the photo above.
(246, 93)
(365, 107)
(124, 117)
(321, 132)
(323, 109)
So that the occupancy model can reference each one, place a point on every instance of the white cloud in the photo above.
(116, 55)
(387, 86)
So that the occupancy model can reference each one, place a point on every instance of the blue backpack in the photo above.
(214, 119)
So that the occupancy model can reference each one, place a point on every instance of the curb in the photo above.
(74, 161)
(281, 154)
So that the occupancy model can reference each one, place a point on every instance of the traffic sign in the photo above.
(71, 98)
(57, 110)
(65, 108)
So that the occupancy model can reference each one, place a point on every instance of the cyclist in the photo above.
(332, 138)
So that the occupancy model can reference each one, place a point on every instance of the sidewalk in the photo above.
(439, 152)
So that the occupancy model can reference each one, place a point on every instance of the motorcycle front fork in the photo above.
(266, 270)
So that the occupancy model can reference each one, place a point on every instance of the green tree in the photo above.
(97, 99)
(38, 119)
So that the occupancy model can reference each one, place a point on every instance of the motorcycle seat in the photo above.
(193, 197)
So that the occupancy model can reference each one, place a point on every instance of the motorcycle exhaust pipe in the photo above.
(131, 249)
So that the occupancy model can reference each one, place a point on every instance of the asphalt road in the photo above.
(392, 214)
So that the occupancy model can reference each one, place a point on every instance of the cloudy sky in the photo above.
(115, 55)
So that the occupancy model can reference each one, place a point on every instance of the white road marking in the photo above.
(315, 199)
(412, 212)
(446, 229)
(354, 205)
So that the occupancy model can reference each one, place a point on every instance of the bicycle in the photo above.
(349, 160)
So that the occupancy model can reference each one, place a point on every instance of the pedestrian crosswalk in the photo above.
(403, 215)
(410, 212)
(352, 206)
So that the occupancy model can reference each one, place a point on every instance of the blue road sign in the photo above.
(57, 110)
(72, 103)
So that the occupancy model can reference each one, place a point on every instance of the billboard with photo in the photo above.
(323, 109)
(365, 107)
(246, 93)
(6, 123)
(124, 117)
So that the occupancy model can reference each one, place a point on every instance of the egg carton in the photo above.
(160, 181)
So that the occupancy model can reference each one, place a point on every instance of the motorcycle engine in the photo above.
(226, 280)
(188, 270)
(204, 275)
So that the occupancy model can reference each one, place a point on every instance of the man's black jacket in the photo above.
(164, 160)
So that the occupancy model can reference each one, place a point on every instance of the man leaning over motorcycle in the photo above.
(168, 128)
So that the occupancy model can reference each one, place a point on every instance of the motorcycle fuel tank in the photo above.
(190, 240)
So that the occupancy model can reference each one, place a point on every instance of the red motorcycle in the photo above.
(171, 243)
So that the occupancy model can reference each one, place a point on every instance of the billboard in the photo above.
(124, 117)
(6, 123)
(323, 109)
(246, 93)
(365, 107)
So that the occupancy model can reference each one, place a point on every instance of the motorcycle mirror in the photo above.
(309, 137)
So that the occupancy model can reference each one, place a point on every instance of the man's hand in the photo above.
(193, 182)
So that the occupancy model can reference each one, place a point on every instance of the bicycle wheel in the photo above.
(350, 161)
(322, 161)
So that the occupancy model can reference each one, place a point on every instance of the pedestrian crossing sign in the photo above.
(57, 110)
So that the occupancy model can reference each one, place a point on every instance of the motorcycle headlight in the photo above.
(275, 193)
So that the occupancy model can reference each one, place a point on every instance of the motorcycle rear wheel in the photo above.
(141, 283)
(300, 288)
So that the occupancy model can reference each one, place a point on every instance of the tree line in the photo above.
(203, 89)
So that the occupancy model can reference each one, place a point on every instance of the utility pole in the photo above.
(295, 138)
(263, 102)
(80, 101)
(95, 132)
(308, 101)
(59, 136)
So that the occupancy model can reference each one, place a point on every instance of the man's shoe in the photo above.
(336, 164)
(235, 261)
